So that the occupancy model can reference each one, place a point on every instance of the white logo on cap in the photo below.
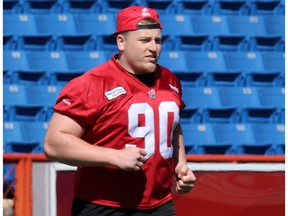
(145, 12)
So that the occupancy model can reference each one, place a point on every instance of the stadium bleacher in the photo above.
(228, 55)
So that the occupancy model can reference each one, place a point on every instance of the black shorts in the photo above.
(84, 208)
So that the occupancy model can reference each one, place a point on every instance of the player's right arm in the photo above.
(63, 143)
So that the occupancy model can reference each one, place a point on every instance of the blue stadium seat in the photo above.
(202, 139)
(34, 132)
(19, 24)
(85, 60)
(114, 6)
(193, 7)
(193, 43)
(220, 115)
(275, 25)
(266, 7)
(27, 112)
(161, 6)
(242, 137)
(15, 94)
(29, 77)
(9, 42)
(14, 60)
(190, 115)
(230, 43)
(12, 132)
(7, 77)
(202, 97)
(75, 42)
(61, 78)
(106, 42)
(224, 78)
(272, 96)
(176, 61)
(12, 7)
(56, 24)
(96, 24)
(42, 6)
(267, 43)
(245, 61)
(265, 78)
(206, 61)
(231, 7)
(264, 115)
(211, 24)
(240, 96)
(81, 6)
(247, 25)
(45, 95)
(274, 61)
(36, 42)
(174, 25)
(48, 60)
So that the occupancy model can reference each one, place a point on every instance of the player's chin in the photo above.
(150, 67)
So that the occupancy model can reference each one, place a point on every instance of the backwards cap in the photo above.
(128, 19)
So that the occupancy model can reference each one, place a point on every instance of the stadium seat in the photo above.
(274, 61)
(202, 97)
(56, 24)
(85, 60)
(224, 78)
(176, 61)
(36, 42)
(15, 94)
(267, 43)
(161, 6)
(206, 61)
(211, 24)
(272, 96)
(81, 6)
(75, 42)
(174, 25)
(9, 42)
(106, 42)
(193, 43)
(275, 25)
(14, 60)
(266, 7)
(193, 7)
(41, 6)
(247, 25)
(61, 78)
(48, 60)
(264, 115)
(7, 77)
(190, 115)
(29, 77)
(201, 139)
(245, 61)
(265, 78)
(44, 95)
(231, 7)
(96, 24)
(240, 97)
(242, 138)
(230, 43)
(220, 115)
(19, 24)
(27, 112)
(12, 132)
(114, 6)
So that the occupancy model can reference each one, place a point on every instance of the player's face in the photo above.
(140, 50)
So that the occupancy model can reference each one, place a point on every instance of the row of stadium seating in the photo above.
(88, 42)
(179, 61)
(270, 7)
(209, 104)
(207, 138)
(105, 24)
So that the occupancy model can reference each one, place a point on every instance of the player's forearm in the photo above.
(179, 155)
(71, 150)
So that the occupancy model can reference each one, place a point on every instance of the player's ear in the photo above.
(120, 41)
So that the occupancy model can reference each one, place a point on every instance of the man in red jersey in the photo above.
(119, 124)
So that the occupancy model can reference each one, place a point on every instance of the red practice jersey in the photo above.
(117, 111)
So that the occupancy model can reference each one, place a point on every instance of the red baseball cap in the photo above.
(128, 19)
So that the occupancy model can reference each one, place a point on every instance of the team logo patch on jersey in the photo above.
(115, 92)
(152, 93)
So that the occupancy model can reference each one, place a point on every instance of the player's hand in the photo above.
(131, 158)
(185, 179)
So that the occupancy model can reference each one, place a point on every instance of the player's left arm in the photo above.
(185, 178)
